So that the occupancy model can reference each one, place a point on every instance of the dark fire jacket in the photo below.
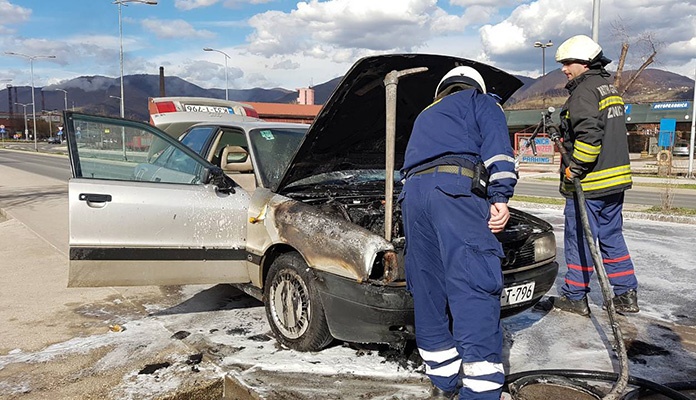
(593, 124)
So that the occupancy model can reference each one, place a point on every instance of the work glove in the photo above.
(574, 171)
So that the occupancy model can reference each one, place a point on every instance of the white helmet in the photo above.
(578, 48)
(466, 75)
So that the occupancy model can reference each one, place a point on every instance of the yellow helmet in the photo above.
(579, 48)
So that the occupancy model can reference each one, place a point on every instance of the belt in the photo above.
(448, 169)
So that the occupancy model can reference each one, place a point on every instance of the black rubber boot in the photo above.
(626, 302)
(579, 307)
(437, 393)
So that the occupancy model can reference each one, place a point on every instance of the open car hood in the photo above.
(350, 132)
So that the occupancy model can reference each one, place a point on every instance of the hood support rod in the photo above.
(391, 81)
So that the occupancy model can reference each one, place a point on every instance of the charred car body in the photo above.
(293, 215)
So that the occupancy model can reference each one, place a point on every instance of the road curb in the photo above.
(678, 219)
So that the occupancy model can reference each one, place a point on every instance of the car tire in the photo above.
(293, 306)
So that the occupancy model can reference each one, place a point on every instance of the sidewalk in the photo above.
(59, 342)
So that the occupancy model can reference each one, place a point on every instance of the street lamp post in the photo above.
(227, 97)
(123, 132)
(120, 41)
(33, 101)
(26, 130)
(543, 47)
(65, 97)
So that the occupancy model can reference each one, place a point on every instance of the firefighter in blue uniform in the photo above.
(450, 215)
(594, 132)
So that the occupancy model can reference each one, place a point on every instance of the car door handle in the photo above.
(95, 197)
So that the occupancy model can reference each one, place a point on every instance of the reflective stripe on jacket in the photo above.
(593, 124)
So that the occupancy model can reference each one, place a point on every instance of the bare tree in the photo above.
(648, 46)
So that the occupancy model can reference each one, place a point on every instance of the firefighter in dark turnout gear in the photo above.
(452, 256)
(594, 134)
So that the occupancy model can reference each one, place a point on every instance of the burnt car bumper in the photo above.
(543, 277)
(367, 313)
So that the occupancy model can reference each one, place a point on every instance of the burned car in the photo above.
(301, 217)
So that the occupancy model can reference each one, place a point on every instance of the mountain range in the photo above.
(100, 94)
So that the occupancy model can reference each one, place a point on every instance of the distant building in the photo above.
(279, 112)
(306, 96)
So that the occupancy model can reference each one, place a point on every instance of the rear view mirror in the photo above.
(217, 177)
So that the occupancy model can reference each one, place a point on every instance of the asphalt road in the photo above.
(57, 166)
(58, 342)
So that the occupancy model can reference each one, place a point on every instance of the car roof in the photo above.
(249, 125)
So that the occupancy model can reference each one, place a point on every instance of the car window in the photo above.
(125, 150)
(197, 138)
(273, 149)
(228, 137)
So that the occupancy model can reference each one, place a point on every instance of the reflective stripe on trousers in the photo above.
(606, 224)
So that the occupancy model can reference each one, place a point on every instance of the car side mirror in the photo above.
(217, 177)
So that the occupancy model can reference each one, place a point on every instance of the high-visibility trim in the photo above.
(580, 268)
(502, 175)
(481, 368)
(587, 148)
(578, 284)
(610, 177)
(449, 369)
(498, 157)
(480, 386)
(624, 273)
(438, 356)
(474, 373)
(584, 152)
(608, 173)
(610, 101)
(617, 181)
(615, 260)
(432, 104)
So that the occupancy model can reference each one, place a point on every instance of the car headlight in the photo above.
(545, 247)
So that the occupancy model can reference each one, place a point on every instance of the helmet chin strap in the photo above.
(456, 87)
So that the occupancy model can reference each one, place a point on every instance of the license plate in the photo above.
(517, 294)
(208, 109)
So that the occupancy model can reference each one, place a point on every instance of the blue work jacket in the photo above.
(469, 125)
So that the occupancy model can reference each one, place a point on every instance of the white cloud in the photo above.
(286, 64)
(178, 28)
(510, 41)
(319, 28)
(193, 4)
(12, 14)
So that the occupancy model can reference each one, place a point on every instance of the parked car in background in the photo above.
(681, 148)
(291, 214)
(54, 140)
(174, 114)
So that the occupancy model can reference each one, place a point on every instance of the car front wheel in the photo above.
(293, 307)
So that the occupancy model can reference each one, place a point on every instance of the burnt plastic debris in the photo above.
(152, 368)
(181, 335)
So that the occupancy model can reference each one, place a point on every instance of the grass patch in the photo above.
(539, 200)
(672, 211)
(662, 185)
(643, 184)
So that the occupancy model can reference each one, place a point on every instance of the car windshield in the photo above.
(347, 177)
(273, 149)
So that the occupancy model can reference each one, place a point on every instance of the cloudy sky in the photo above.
(291, 44)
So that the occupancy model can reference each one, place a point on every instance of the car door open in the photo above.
(148, 214)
